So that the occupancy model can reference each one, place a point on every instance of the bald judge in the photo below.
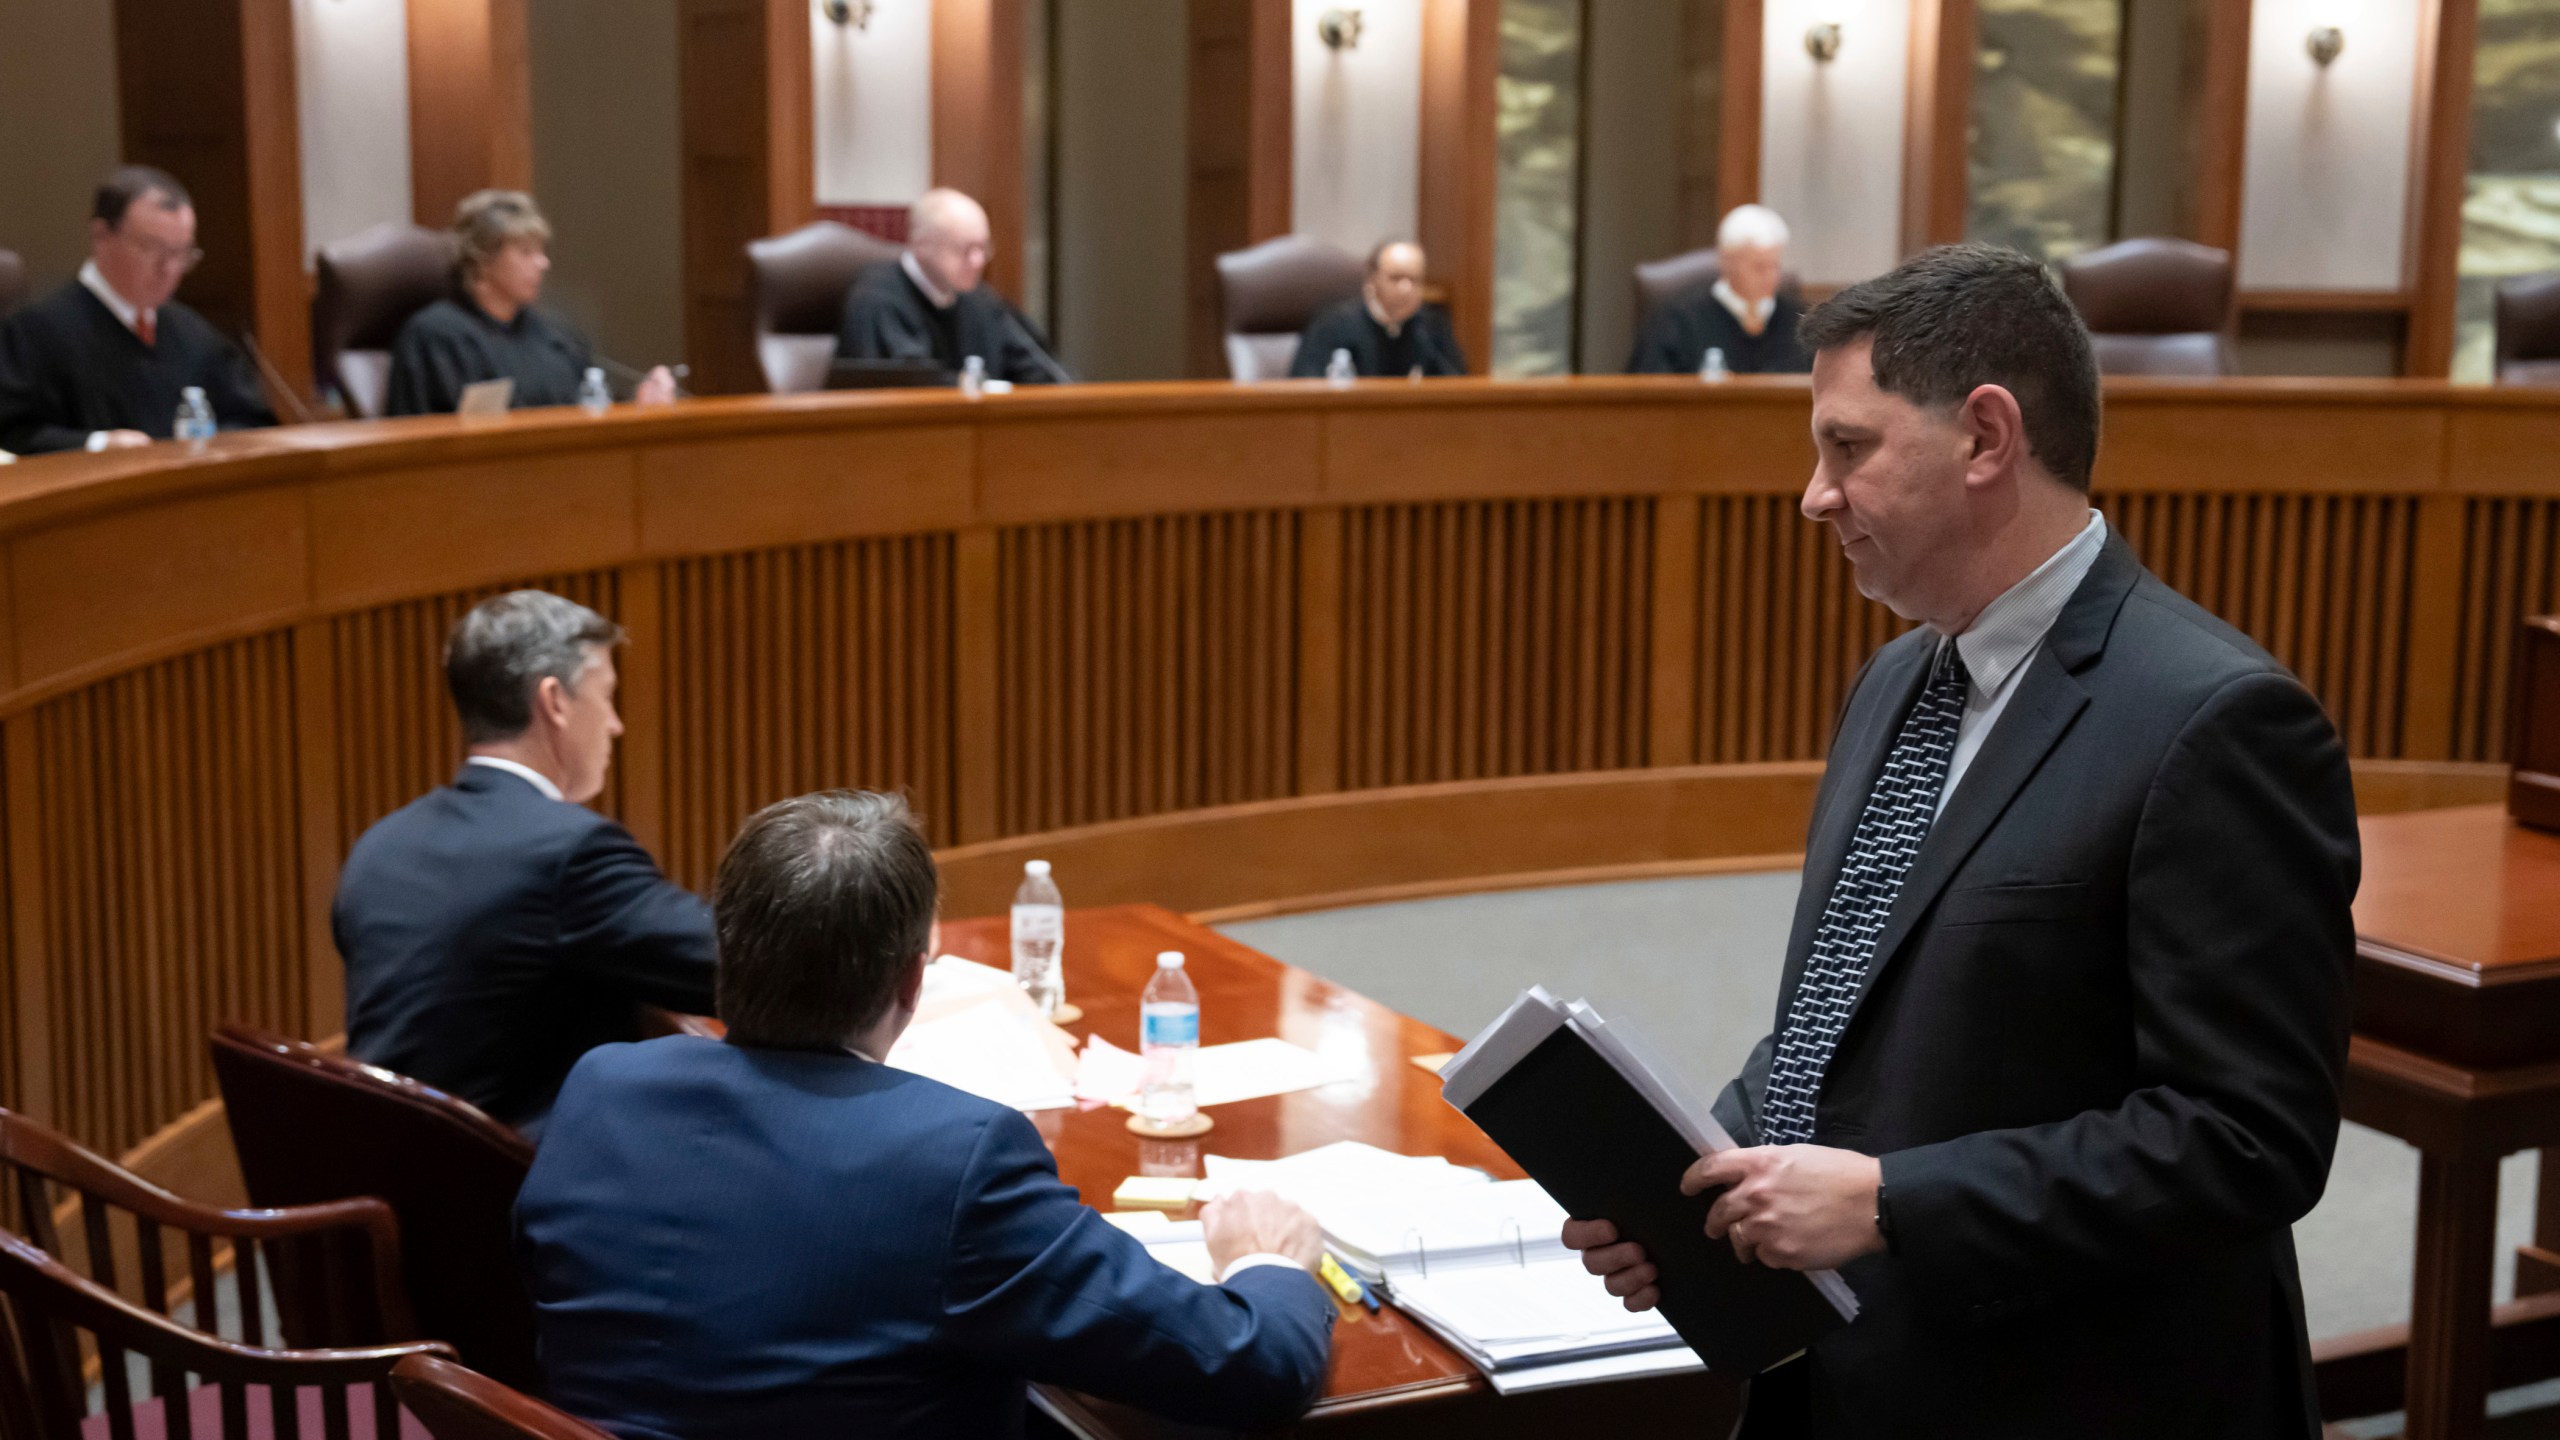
(930, 304)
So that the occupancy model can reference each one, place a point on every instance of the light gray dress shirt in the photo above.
(2006, 635)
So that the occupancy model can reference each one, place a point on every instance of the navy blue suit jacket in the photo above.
(762, 1244)
(492, 935)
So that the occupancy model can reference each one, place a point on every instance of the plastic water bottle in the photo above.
(1039, 936)
(594, 396)
(195, 415)
(1712, 368)
(1168, 1040)
(1339, 370)
(973, 376)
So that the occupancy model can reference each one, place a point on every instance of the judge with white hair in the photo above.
(1744, 313)
(929, 304)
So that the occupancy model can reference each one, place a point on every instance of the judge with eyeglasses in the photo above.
(103, 362)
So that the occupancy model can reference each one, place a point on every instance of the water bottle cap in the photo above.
(595, 372)
(192, 394)
(1169, 960)
(1035, 867)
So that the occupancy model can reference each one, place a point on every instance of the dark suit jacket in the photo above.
(769, 1245)
(492, 935)
(1675, 337)
(2100, 1045)
(1426, 342)
(886, 317)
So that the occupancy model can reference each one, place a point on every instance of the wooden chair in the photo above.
(53, 1321)
(312, 1126)
(333, 1271)
(458, 1404)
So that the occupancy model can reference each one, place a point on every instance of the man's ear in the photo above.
(911, 986)
(1998, 429)
(551, 700)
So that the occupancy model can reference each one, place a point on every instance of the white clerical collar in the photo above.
(2010, 628)
(1392, 328)
(527, 773)
(942, 299)
(1752, 313)
(124, 310)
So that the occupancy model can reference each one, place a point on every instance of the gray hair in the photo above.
(1752, 227)
(499, 653)
(821, 904)
(487, 221)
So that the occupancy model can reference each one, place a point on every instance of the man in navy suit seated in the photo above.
(776, 1236)
(497, 929)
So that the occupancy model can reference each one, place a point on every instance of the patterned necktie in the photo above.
(1896, 819)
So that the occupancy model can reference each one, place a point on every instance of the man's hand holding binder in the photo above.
(1789, 1207)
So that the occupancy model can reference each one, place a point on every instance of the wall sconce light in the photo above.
(1822, 41)
(855, 13)
(2324, 44)
(1339, 28)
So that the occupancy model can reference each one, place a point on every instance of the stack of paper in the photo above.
(1408, 1235)
(1338, 1176)
(1220, 1074)
(976, 1031)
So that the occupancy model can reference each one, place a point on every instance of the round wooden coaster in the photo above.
(1067, 1014)
(1198, 1124)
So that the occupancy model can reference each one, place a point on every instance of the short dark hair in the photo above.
(128, 183)
(1961, 316)
(821, 904)
(500, 652)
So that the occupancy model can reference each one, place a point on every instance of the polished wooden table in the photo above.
(1390, 1376)
(2457, 1051)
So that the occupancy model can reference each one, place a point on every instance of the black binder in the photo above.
(1603, 1150)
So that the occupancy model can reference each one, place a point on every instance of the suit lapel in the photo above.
(2049, 698)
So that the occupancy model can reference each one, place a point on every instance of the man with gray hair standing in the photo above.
(1745, 311)
(929, 304)
(497, 929)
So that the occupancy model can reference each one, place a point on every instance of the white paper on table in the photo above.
(1181, 1244)
(1335, 1176)
(1509, 1314)
(993, 1045)
(951, 981)
(1107, 1073)
(1400, 1234)
(1220, 1074)
(1670, 1360)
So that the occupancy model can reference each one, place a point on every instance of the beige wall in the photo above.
(605, 167)
(1632, 117)
(58, 114)
(1121, 129)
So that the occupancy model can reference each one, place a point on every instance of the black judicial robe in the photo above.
(454, 343)
(68, 366)
(1676, 335)
(887, 316)
(1425, 341)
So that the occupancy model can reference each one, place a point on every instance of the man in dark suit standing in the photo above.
(497, 929)
(2064, 1016)
(777, 1237)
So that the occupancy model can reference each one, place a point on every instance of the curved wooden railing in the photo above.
(1583, 617)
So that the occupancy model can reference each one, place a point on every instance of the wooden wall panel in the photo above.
(1495, 638)
(172, 888)
(1781, 631)
(801, 669)
(2322, 581)
(1144, 666)
(397, 735)
(2510, 569)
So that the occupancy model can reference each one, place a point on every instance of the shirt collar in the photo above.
(1391, 327)
(2010, 628)
(1751, 312)
(125, 311)
(527, 773)
(942, 299)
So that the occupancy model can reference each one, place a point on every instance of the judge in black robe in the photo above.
(1386, 328)
(69, 369)
(491, 327)
(888, 315)
(1679, 332)
(454, 343)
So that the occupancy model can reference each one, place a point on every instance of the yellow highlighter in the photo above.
(1352, 1291)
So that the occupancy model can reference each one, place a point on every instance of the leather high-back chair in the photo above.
(2155, 306)
(333, 1270)
(1268, 292)
(246, 1392)
(367, 287)
(796, 286)
(1658, 282)
(458, 1404)
(311, 1126)
(13, 281)
(2528, 329)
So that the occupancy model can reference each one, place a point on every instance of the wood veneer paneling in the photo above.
(2510, 569)
(1781, 630)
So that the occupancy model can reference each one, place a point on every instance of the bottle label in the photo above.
(1038, 922)
(1169, 1025)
